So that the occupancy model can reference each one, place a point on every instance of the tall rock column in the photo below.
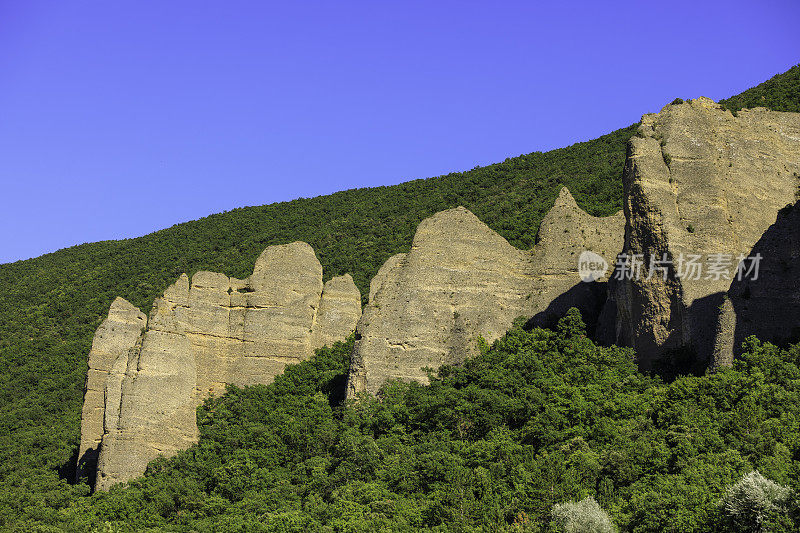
(699, 182)
(117, 338)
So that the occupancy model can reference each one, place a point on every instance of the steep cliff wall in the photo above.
(698, 181)
(769, 306)
(119, 335)
(565, 234)
(461, 280)
(145, 384)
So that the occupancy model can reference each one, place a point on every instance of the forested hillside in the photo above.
(51, 305)
(539, 418)
(781, 93)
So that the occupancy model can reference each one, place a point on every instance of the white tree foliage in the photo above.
(585, 516)
(750, 500)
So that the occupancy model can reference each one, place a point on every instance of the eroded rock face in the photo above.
(339, 310)
(200, 337)
(118, 336)
(462, 280)
(769, 306)
(565, 233)
(698, 181)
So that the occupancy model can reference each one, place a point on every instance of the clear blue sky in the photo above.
(121, 118)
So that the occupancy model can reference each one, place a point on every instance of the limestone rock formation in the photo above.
(339, 310)
(462, 280)
(567, 232)
(698, 181)
(200, 337)
(119, 334)
(769, 306)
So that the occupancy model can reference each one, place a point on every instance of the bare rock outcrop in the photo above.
(769, 306)
(698, 181)
(461, 280)
(119, 334)
(200, 337)
(567, 232)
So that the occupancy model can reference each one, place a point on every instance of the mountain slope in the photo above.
(51, 305)
(779, 93)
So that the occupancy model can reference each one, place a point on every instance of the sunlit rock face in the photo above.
(699, 181)
(147, 376)
(462, 280)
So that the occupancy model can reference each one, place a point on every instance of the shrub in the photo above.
(585, 516)
(752, 501)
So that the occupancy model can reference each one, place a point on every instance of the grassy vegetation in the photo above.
(51, 305)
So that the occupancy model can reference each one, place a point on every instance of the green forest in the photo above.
(494, 444)
(539, 418)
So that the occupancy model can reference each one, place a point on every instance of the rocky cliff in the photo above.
(767, 307)
(147, 376)
(701, 187)
(462, 280)
(118, 335)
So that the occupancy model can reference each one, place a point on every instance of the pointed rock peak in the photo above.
(121, 307)
(565, 199)
(340, 283)
(447, 227)
(383, 273)
(703, 101)
(690, 104)
(453, 214)
(121, 304)
(456, 215)
(178, 292)
(567, 225)
(564, 207)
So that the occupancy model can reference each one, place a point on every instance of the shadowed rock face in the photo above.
(564, 234)
(769, 306)
(145, 384)
(462, 280)
(698, 181)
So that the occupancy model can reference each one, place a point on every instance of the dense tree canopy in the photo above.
(779, 93)
(539, 418)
